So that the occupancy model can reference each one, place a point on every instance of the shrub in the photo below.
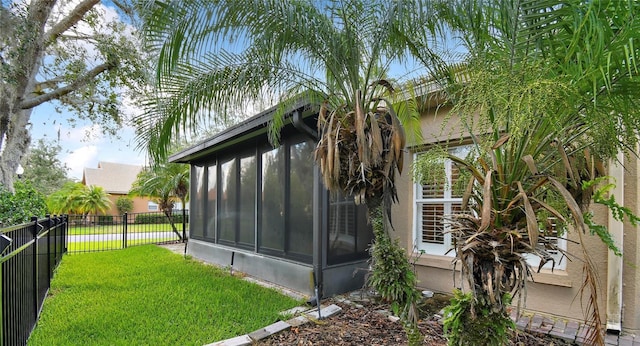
(105, 220)
(479, 324)
(393, 278)
(155, 218)
(124, 205)
(20, 206)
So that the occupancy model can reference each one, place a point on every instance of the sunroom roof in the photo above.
(250, 128)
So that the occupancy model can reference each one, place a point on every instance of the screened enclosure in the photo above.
(266, 208)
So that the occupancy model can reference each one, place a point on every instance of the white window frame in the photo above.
(152, 206)
(561, 263)
(447, 201)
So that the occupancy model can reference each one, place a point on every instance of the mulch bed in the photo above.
(362, 323)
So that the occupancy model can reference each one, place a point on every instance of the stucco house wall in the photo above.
(116, 179)
(555, 293)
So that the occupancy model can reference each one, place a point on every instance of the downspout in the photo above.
(614, 263)
(318, 238)
(302, 127)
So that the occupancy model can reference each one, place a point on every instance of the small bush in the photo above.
(479, 324)
(20, 206)
(124, 205)
(156, 218)
(105, 220)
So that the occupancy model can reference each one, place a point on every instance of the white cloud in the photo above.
(81, 135)
(80, 158)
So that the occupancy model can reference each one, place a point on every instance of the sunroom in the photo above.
(263, 210)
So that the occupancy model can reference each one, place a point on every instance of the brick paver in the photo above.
(568, 330)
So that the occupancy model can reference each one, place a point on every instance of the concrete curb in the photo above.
(307, 316)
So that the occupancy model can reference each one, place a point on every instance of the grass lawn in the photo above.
(103, 245)
(131, 228)
(147, 295)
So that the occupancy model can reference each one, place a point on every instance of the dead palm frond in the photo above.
(508, 216)
(360, 151)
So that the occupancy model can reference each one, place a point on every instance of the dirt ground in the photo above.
(362, 323)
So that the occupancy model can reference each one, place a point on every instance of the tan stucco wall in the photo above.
(630, 277)
(140, 204)
(554, 293)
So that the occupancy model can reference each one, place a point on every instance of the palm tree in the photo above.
(94, 200)
(166, 183)
(337, 53)
(65, 201)
(556, 88)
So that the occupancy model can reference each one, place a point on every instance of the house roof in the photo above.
(115, 178)
(248, 129)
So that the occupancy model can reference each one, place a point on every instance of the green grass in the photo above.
(131, 228)
(147, 295)
(108, 244)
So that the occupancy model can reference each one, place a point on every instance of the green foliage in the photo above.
(66, 200)
(619, 212)
(85, 75)
(326, 49)
(76, 198)
(164, 182)
(476, 324)
(393, 277)
(158, 218)
(547, 91)
(104, 220)
(124, 205)
(43, 168)
(125, 298)
(19, 207)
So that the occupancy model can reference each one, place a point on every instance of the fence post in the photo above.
(49, 247)
(34, 231)
(2, 307)
(125, 222)
(65, 234)
(184, 223)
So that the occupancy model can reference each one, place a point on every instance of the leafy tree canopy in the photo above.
(77, 198)
(81, 57)
(217, 56)
(43, 168)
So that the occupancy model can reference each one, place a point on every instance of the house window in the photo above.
(247, 200)
(300, 221)
(434, 202)
(560, 242)
(152, 206)
(349, 233)
(227, 207)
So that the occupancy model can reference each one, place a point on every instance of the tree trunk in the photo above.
(14, 136)
(169, 215)
(16, 143)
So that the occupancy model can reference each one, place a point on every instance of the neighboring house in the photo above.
(266, 212)
(116, 179)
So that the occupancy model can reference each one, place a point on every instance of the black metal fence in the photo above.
(29, 254)
(95, 233)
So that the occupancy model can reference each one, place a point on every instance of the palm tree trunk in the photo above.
(169, 215)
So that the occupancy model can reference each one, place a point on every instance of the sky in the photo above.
(84, 144)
